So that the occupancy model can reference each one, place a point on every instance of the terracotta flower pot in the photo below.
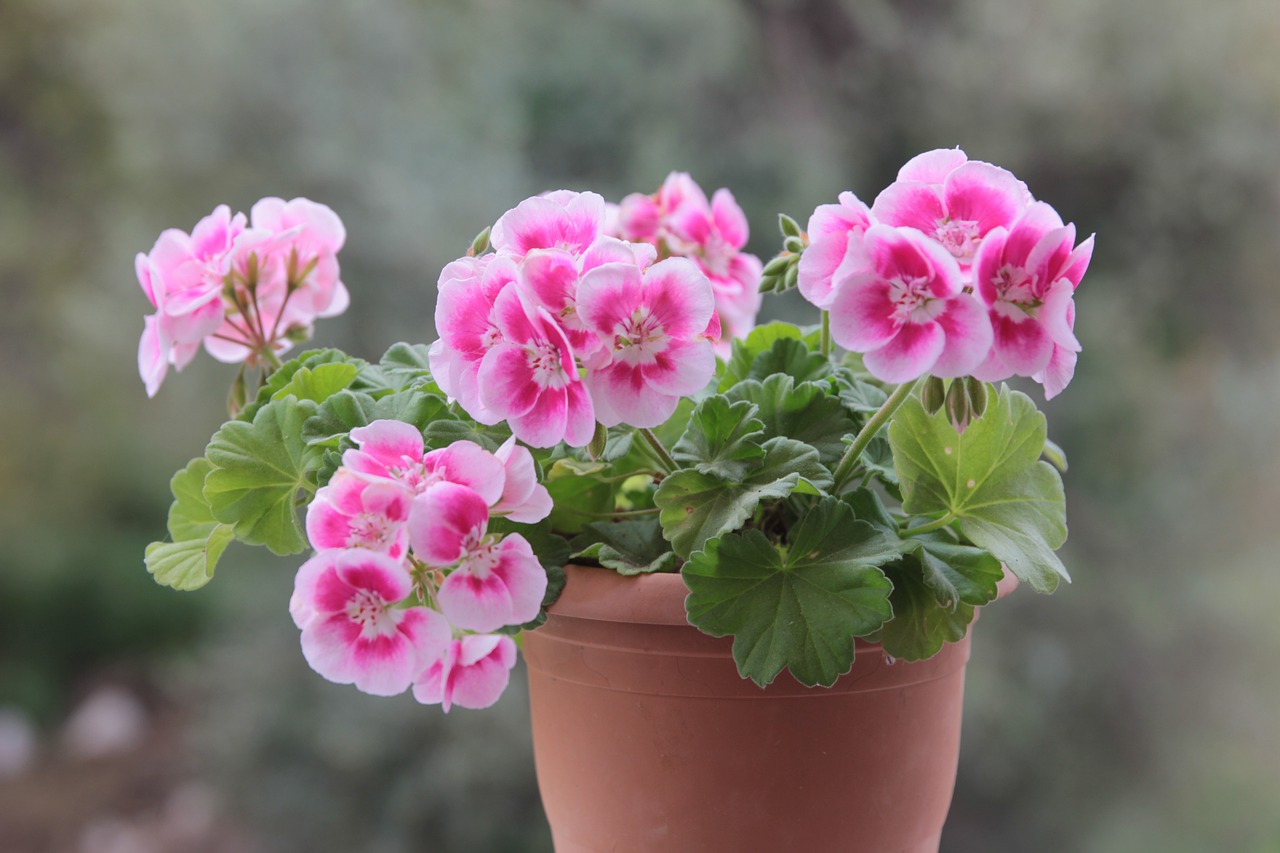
(647, 739)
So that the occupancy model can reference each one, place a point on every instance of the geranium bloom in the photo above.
(182, 278)
(357, 512)
(394, 450)
(1027, 277)
(832, 228)
(285, 271)
(468, 288)
(952, 199)
(496, 583)
(906, 311)
(712, 234)
(472, 673)
(446, 522)
(559, 220)
(531, 378)
(352, 632)
(652, 324)
(524, 499)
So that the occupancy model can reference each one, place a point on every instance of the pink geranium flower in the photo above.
(905, 309)
(353, 633)
(832, 228)
(952, 199)
(496, 583)
(524, 499)
(447, 521)
(563, 220)
(1027, 277)
(531, 378)
(652, 325)
(472, 673)
(182, 278)
(357, 512)
(395, 450)
(468, 289)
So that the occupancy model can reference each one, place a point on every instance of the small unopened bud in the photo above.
(792, 277)
(957, 405)
(977, 390)
(480, 244)
(794, 245)
(596, 448)
(933, 393)
(788, 226)
(777, 266)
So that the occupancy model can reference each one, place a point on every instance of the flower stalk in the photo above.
(869, 430)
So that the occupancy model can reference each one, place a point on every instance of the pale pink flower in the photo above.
(472, 673)
(652, 324)
(1027, 277)
(468, 288)
(953, 200)
(395, 450)
(562, 219)
(357, 512)
(352, 631)
(523, 499)
(832, 229)
(496, 583)
(182, 277)
(531, 379)
(905, 309)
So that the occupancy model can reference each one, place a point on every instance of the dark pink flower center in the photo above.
(368, 610)
(544, 362)
(1016, 285)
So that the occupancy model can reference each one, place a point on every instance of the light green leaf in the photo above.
(406, 365)
(759, 340)
(309, 360)
(803, 412)
(990, 478)
(258, 470)
(199, 539)
(319, 383)
(631, 547)
(792, 357)
(800, 607)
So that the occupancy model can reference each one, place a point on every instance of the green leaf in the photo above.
(631, 547)
(697, 506)
(258, 470)
(199, 539)
(759, 340)
(990, 478)
(789, 356)
(319, 383)
(803, 412)
(406, 365)
(578, 499)
(1056, 456)
(721, 438)
(309, 360)
(957, 573)
(440, 433)
(920, 625)
(801, 608)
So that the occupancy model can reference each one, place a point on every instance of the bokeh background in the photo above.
(1136, 710)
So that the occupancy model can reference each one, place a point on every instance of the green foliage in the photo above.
(258, 470)
(759, 341)
(631, 546)
(721, 438)
(804, 412)
(197, 538)
(797, 605)
(989, 479)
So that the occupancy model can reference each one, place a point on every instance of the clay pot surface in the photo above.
(647, 739)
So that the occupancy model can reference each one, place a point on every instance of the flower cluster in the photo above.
(407, 584)
(574, 320)
(953, 270)
(245, 288)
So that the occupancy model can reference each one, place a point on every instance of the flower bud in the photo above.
(932, 394)
(595, 448)
(777, 266)
(977, 391)
(788, 226)
(794, 245)
(957, 406)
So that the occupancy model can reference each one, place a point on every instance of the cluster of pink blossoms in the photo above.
(566, 323)
(953, 270)
(407, 585)
(245, 288)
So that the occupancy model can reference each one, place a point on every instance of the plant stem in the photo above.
(936, 524)
(869, 430)
(826, 334)
(656, 444)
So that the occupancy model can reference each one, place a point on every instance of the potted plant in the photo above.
(760, 548)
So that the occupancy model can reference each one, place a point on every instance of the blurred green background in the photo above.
(1136, 710)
